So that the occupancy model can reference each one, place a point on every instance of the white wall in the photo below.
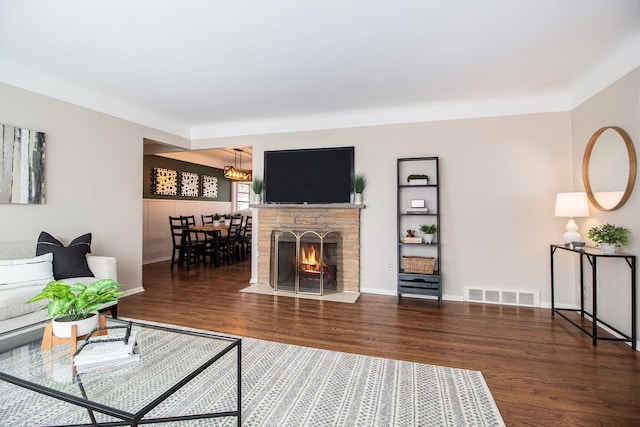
(93, 176)
(617, 105)
(499, 177)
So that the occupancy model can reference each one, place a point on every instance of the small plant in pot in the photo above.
(359, 182)
(429, 231)
(257, 185)
(77, 304)
(418, 179)
(609, 237)
(216, 219)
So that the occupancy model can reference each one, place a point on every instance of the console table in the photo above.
(592, 255)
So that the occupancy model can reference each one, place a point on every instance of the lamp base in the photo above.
(572, 234)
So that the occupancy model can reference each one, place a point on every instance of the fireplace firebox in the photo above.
(305, 261)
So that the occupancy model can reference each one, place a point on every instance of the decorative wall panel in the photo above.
(209, 186)
(21, 165)
(165, 181)
(189, 184)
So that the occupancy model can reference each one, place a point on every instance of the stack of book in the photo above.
(110, 351)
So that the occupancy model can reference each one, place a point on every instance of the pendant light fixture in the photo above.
(236, 173)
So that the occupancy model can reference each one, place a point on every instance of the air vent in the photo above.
(521, 297)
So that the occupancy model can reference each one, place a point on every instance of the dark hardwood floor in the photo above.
(541, 370)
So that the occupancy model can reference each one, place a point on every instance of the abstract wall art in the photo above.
(165, 181)
(21, 165)
(209, 187)
(189, 184)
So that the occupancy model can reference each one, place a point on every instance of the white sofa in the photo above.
(15, 315)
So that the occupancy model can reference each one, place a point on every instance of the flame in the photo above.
(309, 261)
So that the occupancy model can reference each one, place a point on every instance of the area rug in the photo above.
(287, 385)
(348, 297)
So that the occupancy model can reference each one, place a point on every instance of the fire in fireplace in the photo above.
(305, 262)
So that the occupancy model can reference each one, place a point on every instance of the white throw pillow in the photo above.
(26, 272)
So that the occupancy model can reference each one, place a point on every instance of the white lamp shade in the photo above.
(572, 205)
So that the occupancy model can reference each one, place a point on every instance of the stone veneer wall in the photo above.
(344, 219)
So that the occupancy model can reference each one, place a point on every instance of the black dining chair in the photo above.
(207, 219)
(186, 246)
(230, 245)
(246, 236)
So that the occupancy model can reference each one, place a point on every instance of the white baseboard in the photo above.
(133, 291)
(151, 261)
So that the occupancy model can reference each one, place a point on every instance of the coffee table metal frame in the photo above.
(136, 418)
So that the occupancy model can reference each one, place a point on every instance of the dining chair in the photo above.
(246, 236)
(186, 247)
(207, 219)
(231, 243)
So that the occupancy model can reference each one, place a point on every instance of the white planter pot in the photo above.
(428, 238)
(357, 198)
(216, 222)
(257, 199)
(608, 248)
(62, 329)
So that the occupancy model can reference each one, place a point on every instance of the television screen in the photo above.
(321, 175)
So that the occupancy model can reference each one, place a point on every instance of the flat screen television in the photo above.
(319, 175)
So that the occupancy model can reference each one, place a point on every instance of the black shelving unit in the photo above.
(410, 218)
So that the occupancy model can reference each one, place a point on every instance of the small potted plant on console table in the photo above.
(609, 237)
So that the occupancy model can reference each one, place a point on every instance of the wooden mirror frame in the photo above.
(632, 168)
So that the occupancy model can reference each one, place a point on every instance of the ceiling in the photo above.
(210, 68)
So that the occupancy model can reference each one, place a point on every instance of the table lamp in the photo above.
(572, 205)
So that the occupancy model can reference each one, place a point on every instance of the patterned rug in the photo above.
(286, 385)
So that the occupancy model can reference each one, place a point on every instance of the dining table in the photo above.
(216, 232)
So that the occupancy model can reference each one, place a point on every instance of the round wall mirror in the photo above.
(609, 168)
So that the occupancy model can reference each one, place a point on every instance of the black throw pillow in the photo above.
(69, 261)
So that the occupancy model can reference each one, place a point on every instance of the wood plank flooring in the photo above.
(541, 370)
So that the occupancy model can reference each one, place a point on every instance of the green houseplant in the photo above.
(429, 231)
(257, 185)
(417, 176)
(359, 182)
(76, 303)
(609, 236)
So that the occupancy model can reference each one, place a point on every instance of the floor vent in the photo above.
(526, 298)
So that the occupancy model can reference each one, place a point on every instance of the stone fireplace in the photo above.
(298, 226)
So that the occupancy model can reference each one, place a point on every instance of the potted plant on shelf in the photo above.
(418, 179)
(429, 231)
(257, 186)
(359, 182)
(609, 237)
(76, 305)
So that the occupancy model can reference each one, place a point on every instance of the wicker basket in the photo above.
(418, 264)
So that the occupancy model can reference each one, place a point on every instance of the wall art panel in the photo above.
(189, 184)
(21, 165)
(209, 187)
(165, 181)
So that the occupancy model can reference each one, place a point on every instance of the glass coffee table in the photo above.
(181, 375)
